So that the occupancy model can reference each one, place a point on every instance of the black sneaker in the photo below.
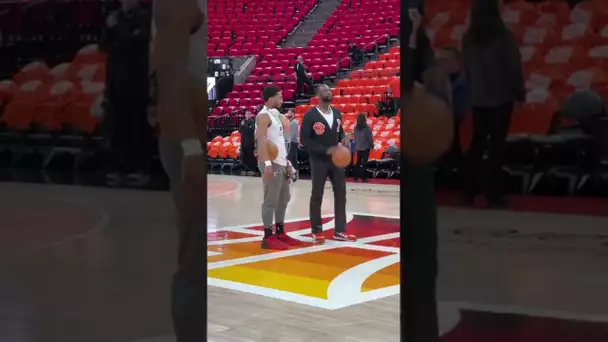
(344, 237)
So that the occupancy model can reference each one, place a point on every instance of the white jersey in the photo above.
(275, 134)
(197, 62)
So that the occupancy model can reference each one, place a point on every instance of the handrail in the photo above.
(375, 42)
(350, 64)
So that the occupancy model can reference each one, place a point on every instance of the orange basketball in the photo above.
(273, 151)
(341, 157)
(427, 127)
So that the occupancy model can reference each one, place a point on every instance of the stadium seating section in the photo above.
(562, 50)
(365, 23)
(246, 27)
(53, 99)
(358, 94)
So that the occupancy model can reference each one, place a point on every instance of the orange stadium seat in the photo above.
(51, 104)
(78, 111)
(19, 112)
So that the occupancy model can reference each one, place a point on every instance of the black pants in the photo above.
(419, 258)
(454, 156)
(292, 155)
(301, 81)
(248, 157)
(320, 170)
(130, 134)
(361, 167)
(490, 130)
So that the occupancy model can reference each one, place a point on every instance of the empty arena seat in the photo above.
(19, 112)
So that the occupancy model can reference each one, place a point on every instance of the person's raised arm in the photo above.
(341, 134)
(171, 53)
(370, 136)
(261, 131)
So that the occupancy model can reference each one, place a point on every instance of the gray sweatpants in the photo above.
(189, 290)
(276, 195)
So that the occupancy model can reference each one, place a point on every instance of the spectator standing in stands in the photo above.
(353, 148)
(450, 60)
(494, 73)
(364, 143)
(292, 140)
(355, 53)
(125, 39)
(302, 77)
(247, 130)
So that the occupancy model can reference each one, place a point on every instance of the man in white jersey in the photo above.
(179, 62)
(277, 173)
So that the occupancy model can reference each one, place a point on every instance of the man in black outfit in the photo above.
(355, 53)
(125, 40)
(321, 133)
(418, 207)
(247, 131)
(302, 77)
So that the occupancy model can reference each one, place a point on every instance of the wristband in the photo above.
(192, 147)
(268, 163)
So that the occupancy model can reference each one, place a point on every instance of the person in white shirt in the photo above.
(277, 173)
(179, 60)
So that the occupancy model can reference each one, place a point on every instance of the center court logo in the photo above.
(330, 276)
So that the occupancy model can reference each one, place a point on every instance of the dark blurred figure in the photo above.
(418, 205)
(364, 142)
(292, 140)
(392, 152)
(126, 40)
(247, 130)
(494, 74)
(355, 53)
(302, 78)
(450, 60)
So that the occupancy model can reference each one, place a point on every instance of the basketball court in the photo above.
(95, 264)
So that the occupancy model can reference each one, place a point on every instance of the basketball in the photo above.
(427, 127)
(273, 151)
(341, 157)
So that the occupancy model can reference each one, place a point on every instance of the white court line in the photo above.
(238, 188)
(247, 227)
(269, 256)
(378, 248)
(329, 244)
(377, 215)
(376, 238)
(104, 220)
(347, 285)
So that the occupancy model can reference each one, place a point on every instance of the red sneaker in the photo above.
(288, 240)
(344, 237)
(318, 237)
(273, 242)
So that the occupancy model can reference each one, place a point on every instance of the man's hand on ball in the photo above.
(332, 150)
